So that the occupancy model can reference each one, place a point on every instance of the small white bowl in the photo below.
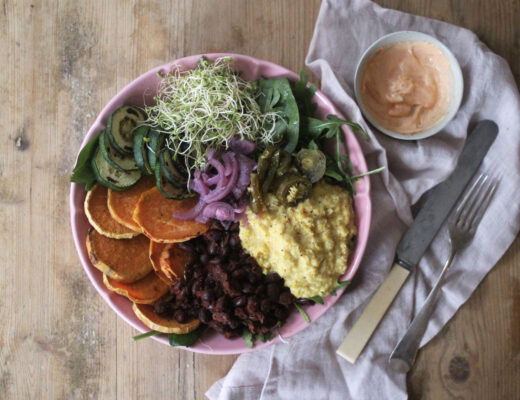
(457, 87)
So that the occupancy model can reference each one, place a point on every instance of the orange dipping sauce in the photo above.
(406, 86)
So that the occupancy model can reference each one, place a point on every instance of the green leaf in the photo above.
(317, 299)
(260, 338)
(248, 337)
(341, 285)
(186, 339)
(145, 335)
(374, 171)
(303, 313)
(82, 172)
(312, 145)
(279, 89)
(304, 94)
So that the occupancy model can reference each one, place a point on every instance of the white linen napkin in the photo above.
(308, 367)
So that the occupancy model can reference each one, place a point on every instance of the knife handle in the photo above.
(367, 323)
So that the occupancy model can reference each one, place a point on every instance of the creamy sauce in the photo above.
(406, 86)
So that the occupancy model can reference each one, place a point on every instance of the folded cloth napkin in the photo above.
(307, 367)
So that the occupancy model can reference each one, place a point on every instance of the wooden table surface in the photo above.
(61, 62)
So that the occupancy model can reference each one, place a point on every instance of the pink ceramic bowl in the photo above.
(141, 91)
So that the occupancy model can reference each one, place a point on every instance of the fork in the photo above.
(461, 230)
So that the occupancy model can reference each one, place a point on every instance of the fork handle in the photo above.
(403, 356)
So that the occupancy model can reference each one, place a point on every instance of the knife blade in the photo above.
(418, 237)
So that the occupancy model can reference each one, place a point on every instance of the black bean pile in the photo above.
(225, 288)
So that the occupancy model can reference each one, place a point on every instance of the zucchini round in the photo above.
(113, 157)
(171, 170)
(167, 189)
(140, 150)
(110, 177)
(154, 146)
(121, 127)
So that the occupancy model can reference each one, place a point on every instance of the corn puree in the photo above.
(307, 245)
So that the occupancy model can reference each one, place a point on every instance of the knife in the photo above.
(418, 237)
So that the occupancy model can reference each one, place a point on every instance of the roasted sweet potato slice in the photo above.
(124, 260)
(99, 216)
(144, 291)
(153, 321)
(173, 260)
(156, 250)
(122, 204)
(154, 214)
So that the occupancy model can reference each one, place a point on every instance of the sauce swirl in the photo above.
(406, 86)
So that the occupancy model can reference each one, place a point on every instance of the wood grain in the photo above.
(61, 62)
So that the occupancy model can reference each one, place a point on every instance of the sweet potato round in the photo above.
(172, 261)
(157, 323)
(154, 214)
(124, 260)
(156, 250)
(122, 204)
(99, 216)
(144, 291)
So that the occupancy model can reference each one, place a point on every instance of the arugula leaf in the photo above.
(186, 339)
(317, 299)
(374, 171)
(331, 173)
(341, 285)
(303, 313)
(276, 95)
(82, 172)
(145, 335)
(248, 337)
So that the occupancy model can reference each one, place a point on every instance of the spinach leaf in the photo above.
(276, 95)
(340, 285)
(303, 313)
(145, 335)
(82, 172)
(248, 337)
(317, 299)
(304, 95)
(187, 339)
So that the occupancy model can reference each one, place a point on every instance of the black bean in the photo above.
(273, 290)
(204, 316)
(286, 298)
(247, 288)
(204, 258)
(239, 273)
(265, 305)
(240, 301)
(208, 295)
(180, 316)
(280, 313)
(185, 246)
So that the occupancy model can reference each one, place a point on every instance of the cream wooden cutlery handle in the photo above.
(363, 328)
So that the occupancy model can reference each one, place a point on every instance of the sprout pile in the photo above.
(205, 108)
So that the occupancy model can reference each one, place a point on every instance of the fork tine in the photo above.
(479, 213)
(460, 213)
(476, 200)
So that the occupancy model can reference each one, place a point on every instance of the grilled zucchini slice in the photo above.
(110, 177)
(121, 128)
(114, 158)
(167, 189)
(171, 170)
(141, 150)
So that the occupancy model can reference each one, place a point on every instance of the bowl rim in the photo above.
(410, 36)
(77, 190)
